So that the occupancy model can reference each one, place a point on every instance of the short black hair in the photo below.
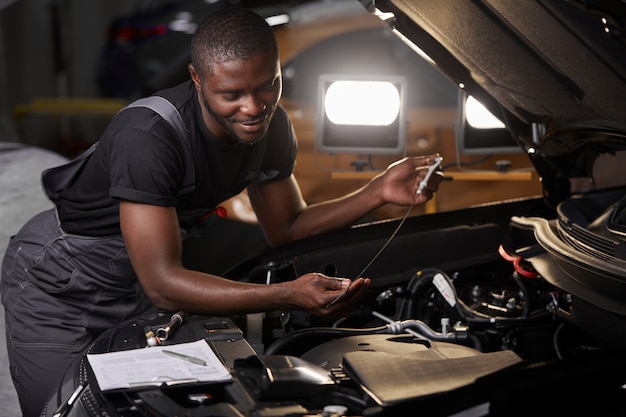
(229, 34)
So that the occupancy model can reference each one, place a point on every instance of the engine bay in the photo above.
(456, 320)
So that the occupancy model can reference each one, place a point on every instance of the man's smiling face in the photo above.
(239, 97)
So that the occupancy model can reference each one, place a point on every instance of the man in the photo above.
(112, 246)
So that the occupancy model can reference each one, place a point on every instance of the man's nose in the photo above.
(253, 105)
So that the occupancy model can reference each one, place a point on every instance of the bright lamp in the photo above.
(361, 115)
(478, 131)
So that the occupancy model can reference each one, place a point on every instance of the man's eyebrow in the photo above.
(228, 91)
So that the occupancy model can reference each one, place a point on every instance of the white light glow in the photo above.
(414, 47)
(279, 19)
(368, 103)
(479, 117)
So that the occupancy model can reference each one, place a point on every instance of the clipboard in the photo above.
(150, 367)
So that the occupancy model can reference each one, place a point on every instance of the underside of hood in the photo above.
(554, 71)
(537, 59)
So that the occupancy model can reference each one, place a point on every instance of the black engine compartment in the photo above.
(457, 319)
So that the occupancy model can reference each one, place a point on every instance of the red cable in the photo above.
(516, 260)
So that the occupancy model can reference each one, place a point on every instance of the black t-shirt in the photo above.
(140, 158)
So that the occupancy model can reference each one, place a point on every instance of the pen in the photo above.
(184, 357)
(66, 407)
(431, 169)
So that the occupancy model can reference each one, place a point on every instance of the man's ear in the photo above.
(194, 76)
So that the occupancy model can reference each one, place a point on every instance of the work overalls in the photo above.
(61, 290)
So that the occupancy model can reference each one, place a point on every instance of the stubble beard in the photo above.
(227, 126)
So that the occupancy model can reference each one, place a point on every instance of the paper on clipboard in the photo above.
(151, 367)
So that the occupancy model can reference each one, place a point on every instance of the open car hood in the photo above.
(554, 71)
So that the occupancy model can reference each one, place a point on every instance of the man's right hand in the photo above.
(329, 297)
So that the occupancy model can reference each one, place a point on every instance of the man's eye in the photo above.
(230, 97)
(270, 86)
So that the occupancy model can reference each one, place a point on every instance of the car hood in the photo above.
(554, 71)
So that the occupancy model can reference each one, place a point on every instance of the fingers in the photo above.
(425, 160)
(332, 283)
(348, 299)
(339, 283)
(357, 288)
(352, 293)
(336, 296)
(330, 297)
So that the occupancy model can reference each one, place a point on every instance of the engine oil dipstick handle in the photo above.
(429, 174)
(176, 320)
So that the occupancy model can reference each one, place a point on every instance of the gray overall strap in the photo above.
(168, 112)
(165, 109)
(57, 179)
